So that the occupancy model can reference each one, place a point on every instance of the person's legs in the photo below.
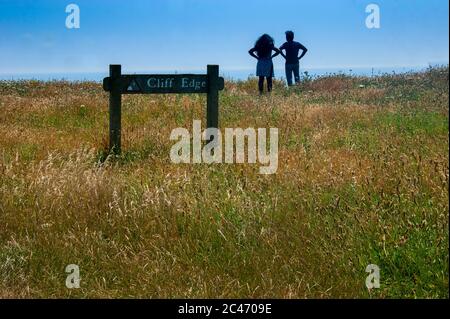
(296, 69)
(261, 84)
(288, 74)
(269, 84)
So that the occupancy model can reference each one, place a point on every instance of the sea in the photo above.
(235, 75)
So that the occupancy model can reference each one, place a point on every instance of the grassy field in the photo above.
(362, 179)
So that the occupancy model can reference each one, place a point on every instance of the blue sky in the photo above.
(188, 34)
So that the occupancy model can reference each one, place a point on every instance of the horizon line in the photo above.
(234, 69)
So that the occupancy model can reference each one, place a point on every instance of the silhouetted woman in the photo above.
(264, 69)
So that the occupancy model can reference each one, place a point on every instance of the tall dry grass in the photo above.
(362, 178)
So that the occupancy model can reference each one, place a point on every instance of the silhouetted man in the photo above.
(292, 49)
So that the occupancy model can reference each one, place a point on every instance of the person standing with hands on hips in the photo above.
(292, 49)
(262, 51)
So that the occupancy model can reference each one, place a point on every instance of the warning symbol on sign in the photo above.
(133, 86)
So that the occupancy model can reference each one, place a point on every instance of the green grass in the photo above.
(362, 179)
(417, 122)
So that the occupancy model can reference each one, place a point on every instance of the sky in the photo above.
(189, 34)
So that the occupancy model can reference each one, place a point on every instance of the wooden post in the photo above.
(115, 105)
(212, 101)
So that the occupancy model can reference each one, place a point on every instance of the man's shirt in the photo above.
(292, 48)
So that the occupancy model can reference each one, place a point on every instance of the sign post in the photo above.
(115, 109)
(212, 100)
(117, 84)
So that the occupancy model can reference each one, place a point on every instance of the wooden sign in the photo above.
(117, 84)
(163, 83)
